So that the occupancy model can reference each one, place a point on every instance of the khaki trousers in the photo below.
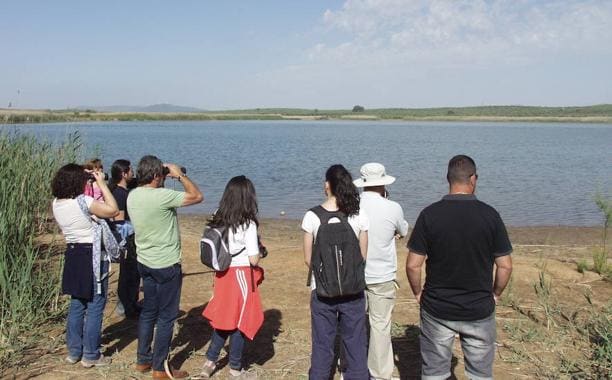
(381, 300)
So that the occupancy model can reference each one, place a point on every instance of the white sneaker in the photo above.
(102, 361)
(71, 360)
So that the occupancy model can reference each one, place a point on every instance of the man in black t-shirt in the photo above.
(128, 287)
(462, 238)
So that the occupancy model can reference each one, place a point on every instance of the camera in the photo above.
(93, 179)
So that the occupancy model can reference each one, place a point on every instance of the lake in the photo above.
(532, 173)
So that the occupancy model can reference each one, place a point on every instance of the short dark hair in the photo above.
(148, 168)
(460, 169)
(69, 181)
(117, 170)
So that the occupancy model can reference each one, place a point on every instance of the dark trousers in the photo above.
(129, 280)
(162, 294)
(327, 316)
(217, 341)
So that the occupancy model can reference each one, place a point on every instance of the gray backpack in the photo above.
(214, 249)
(336, 262)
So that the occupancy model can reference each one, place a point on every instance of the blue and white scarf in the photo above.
(102, 234)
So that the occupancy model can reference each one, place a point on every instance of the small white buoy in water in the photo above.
(282, 213)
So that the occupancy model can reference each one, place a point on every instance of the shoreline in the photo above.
(466, 114)
(288, 219)
(519, 235)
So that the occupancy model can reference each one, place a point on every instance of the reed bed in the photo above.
(29, 273)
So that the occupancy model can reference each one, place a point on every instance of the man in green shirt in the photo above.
(152, 209)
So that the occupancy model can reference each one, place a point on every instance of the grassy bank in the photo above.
(595, 114)
(29, 270)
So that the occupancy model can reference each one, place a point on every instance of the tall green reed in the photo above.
(29, 274)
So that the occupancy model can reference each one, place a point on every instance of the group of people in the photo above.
(462, 242)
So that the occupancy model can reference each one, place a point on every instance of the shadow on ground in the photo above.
(408, 354)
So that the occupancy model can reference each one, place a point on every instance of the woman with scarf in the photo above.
(85, 276)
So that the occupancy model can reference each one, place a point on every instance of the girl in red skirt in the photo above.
(235, 310)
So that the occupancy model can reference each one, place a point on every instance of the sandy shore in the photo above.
(282, 347)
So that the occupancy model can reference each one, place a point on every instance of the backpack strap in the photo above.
(324, 215)
(237, 253)
(225, 237)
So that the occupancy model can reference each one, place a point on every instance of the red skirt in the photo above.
(235, 303)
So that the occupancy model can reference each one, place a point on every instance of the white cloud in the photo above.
(462, 32)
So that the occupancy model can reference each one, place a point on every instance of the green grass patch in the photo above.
(29, 270)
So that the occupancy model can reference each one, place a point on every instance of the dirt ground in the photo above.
(282, 347)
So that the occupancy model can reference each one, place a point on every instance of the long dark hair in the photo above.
(117, 170)
(69, 181)
(342, 187)
(238, 205)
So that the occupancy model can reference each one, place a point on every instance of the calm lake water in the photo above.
(534, 174)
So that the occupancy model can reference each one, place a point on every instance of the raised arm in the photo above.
(193, 194)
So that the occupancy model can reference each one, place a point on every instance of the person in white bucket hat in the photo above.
(386, 224)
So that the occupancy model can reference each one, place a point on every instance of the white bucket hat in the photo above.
(373, 174)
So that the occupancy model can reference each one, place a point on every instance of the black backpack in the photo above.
(336, 262)
(214, 249)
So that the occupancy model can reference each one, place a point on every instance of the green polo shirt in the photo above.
(153, 215)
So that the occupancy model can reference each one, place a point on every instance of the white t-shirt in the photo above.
(245, 237)
(76, 227)
(358, 222)
(386, 220)
(311, 223)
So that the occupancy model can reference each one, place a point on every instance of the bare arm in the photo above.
(503, 270)
(109, 208)
(414, 263)
(254, 260)
(363, 243)
(308, 239)
(193, 194)
(120, 216)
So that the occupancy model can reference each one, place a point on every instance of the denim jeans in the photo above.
(162, 294)
(477, 343)
(84, 322)
(327, 316)
(217, 341)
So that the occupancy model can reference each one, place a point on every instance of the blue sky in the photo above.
(307, 54)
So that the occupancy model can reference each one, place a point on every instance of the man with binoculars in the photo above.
(152, 209)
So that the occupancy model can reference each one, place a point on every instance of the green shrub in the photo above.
(582, 266)
(29, 275)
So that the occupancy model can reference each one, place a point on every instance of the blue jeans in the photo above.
(477, 343)
(327, 315)
(217, 341)
(84, 322)
(162, 294)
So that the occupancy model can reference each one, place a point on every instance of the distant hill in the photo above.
(155, 108)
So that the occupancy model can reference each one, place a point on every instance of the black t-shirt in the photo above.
(461, 237)
(121, 196)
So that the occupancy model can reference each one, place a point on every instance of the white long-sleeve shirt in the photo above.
(386, 220)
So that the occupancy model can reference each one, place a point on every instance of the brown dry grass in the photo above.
(281, 349)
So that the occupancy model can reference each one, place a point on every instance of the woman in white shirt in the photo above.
(346, 312)
(235, 310)
(85, 266)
